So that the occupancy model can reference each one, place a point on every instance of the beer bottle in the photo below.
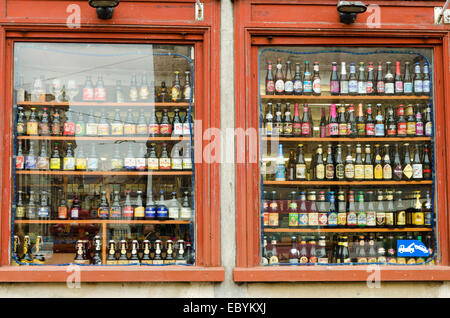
(62, 207)
(378, 167)
(185, 210)
(177, 124)
(298, 83)
(336, 252)
(371, 213)
(162, 212)
(117, 124)
(153, 125)
(400, 215)
(370, 122)
(300, 166)
(407, 81)
(69, 159)
(379, 125)
(391, 125)
(15, 259)
(296, 124)
(69, 125)
(352, 129)
(55, 159)
(389, 215)
(368, 165)
(380, 212)
(332, 211)
(120, 97)
(92, 159)
(88, 90)
(100, 91)
(372, 254)
(407, 168)
(342, 210)
(319, 168)
(164, 160)
(387, 168)
(103, 208)
(179, 257)
(322, 209)
(187, 159)
(352, 80)
(313, 215)
(43, 212)
(80, 126)
(21, 126)
(26, 258)
(345, 255)
(165, 128)
(20, 158)
(389, 86)
(116, 159)
(360, 122)
(133, 93)
(288, 83)
(44, 125)
(418, 80)
(279, 79)
(173, 207)
(352, 218)
(312, 253)
(274, 210)
(139, 210)
(361, 256)
(91, 125)
(140, 159)
(419, 122)
(32, 123)
(321, 253)
(287, 125)
(323, 124)
(349, 169)
(398, 81)
(428, 122)
(291, 167)
(75, 209)
(317, 88)
(268, 121)
(123, 259)
(127, 210)
(428, 211)
(418, 216)
(293, 252)
(426, 164)
(129, 161)
(361, 80)
(157, 258)
(410, 209)
(146, 253)
(334, 79)
(342, 122)
(115, 211)
(144, 89)
(31, 158)
(370, 83)
(20, 207)
(303, 254)
(329, 168)
(273, 254)
(153, 161)
(380, 87)
(333, 125)
(111, 257)
(340, 167)
(163, 96)
(426, 84)
(359, 166)
(187, 89)
(43, 162)
(306, 122)
(343, 80)
(97, 257)
(141, 126)
(129, 128)
(307, 80)
(417, 165)
(410, 121)
(150, 207)
(397, 166)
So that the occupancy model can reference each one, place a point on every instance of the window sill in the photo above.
(340, 274)
(112, 274)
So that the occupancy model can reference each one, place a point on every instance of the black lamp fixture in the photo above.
(349, 9)
(105, 8)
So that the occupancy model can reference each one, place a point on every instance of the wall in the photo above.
(228, 288)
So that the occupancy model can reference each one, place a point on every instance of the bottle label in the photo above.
(185, 213)
(165, 129)
(150, 212)
(334, 87)
(153, 164)
(398, 171)
(153, 129)
(296, 129)
(140, 164)
(187, 164)
(69, 163)
(303, 219)
(44, 212)
(293, 219)
(426, 86)
(55, 163)
(419, 128)
(288, 87)
(401, 129)
(387, 172)
(352, 218)
(344, 87)
(389, 219)
(116, 164)
(361, 87)
(342, 129)
(408, 87)
(418, 86)
(279, 86)
(369, 87)
(379, 130)
(141, 129)
(164, 163)
(139, 212)
(428, 128)
(298, 86)
(389, 88)
(323, 218)
(100, 94)
(316, 86)
(341, 219)
(129, 129)
(329, 171)
(391, 129)
(408, 171)
(43, 163)
(428, 218)
(20, 160)
(320, 171)
(69, 129)
(115, 212)
(144, 92)
(411, 128)
(359, 172)
(178, 128)
(287, 128)
(368, 172)
(313, 219)
(80, 129)
(20, 128)
(370, 129)
(116, 129)
(333, 129)
(280, 174)
(128, 211)
(270, 87)
(44, 128)
(273, 219)
(177, 163)
(418, 218)
(417, 171)
(353, 86)
(349, 171)
(380, 87)
(129, 163)
(332, 219)
(103, 212)
(20, 212)
(381, 218)
(32, 128)
(88, 93)
(91, 129)
(81, 163)
(340, 171)
(378, 172)
(399, 87)
(401, 218)
(306, 129)
(92, 163)
(307, 86)
(300, 171)
(74, 213)
(133, 94)
(371, 218)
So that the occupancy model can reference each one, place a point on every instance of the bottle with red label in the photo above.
(370, 122)
(370, 83)
(279, 79)
(103, 208)
(303, 252)
(317, 87)
(44, 125)
(153, 125)
(88, 90)
(401, 122)
(312, 252)
(69, 125)
(165, 127)
(297, 123)
(380, 88)
(129, 127)
(398, 80)
(100, 90)
(20, 158)
(391, 125)
(342, 121)
(128, 209)
(177, 124)
(164, 159)
(334, 80)
(56, 128)
(333, 126)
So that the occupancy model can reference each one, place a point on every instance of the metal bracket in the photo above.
(444, 19)
(199, 11)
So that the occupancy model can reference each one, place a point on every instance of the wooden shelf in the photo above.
(107, 173)
(101, 222)
(344, 230)
(328, 97)
(102, 104)
(347, 139)
(350, 183)
(113, 138)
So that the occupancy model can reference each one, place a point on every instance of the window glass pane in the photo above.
(347, 155)
(103, 169)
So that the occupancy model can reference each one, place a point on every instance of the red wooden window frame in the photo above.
(251, 33)
(205, 38)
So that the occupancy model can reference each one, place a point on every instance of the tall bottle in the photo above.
(407, 81)
(43, 160)
(187, 88)
(298, 83)
(317, 87)
(127, 209)
(319, 168)
(186, 209)
(339, 164)
(380, 211)
(359, 165)
(407, 167)
(323, 124)
(288, 81)
(387, 167)
(55, 159)
(333, 126)
(92, 159)
(391, 125)
(397, 165)
(150, 207)
(144, 89)
(270, 83)
(80, 126)
(398, 80)
(426, 83)
(334, 80)
(100, 90)
(296, 124)
(342, 121)
(389, 85)
(379, 123)
(306, 122)
(103, 208)
(343, 80)
(349, 169)
(300, 165)
(307, 80)
(380, 86)
(290, 170)
(368, 165)
(115, 211)
(400, 211)
(329, 168)
(418, 80)
(417, 165)
(162, 212)
(69, 125)
(88, 90)
(69, 158)
(176, 88)
(426, 163)
(352, 80)
(352, 219)
(361, 80)
(378, 165)
(280, 174)
(390, 212)
(371, 212)
(370, 122)
(352, 130)
(279, 79)
(139, 209)
(360, 122)
(91, 125)
(287, 124)
(332, 216)
(370, 82)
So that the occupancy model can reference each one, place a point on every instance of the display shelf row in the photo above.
(344, 97)
(101, 222)
(114, 138)
(344, 183)
(341, 230)
(344, 139)
(107, 173)
(101, 104)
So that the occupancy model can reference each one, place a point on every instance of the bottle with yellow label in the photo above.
(378, 168)
(418, 215)
(32, 124)
(407, 167)
(81, 160)
(69, 158)
(55, 160)
(273, 259)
